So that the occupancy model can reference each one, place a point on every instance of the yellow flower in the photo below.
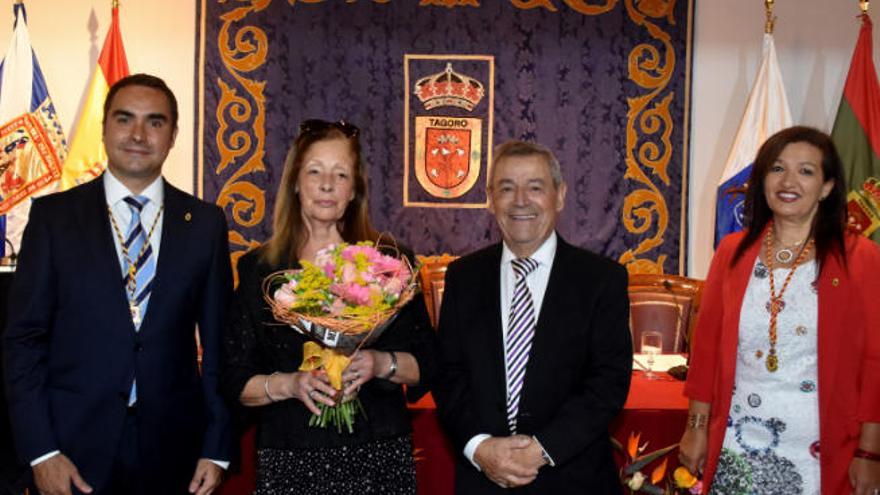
(316, 357)
(683, 478)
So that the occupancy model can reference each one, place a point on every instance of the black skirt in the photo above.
(381, 466)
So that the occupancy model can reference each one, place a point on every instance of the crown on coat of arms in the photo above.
(449, 88)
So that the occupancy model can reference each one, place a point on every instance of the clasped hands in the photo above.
(510, 462)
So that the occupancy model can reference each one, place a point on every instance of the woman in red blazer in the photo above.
(786, 398)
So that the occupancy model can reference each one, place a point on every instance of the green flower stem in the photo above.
(341, 415)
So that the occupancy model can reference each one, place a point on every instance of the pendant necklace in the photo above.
(776, 303)
(786, 254)
(130, 280)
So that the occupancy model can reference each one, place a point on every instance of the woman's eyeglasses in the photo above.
(316, 126)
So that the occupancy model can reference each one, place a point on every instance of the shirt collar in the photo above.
(115, 191)
(544, 255)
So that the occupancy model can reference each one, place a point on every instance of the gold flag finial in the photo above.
(769, 19)
(863, 4)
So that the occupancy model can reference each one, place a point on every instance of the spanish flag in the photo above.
(856, 134)
(87, 158)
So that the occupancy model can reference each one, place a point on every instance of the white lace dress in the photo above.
(771, 445)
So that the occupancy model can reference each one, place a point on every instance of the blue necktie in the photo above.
(520, 330)
(140, 253)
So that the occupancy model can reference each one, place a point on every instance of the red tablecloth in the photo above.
(655, 408)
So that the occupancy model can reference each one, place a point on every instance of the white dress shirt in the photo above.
(537, 282)
(116, 192)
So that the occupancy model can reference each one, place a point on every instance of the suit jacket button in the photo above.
(138, 347)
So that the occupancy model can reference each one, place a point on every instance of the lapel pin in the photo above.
(188, 216)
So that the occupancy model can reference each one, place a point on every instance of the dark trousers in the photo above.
(126, 477)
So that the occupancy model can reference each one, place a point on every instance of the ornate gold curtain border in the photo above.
(650, 112)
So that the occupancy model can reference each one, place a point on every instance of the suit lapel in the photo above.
(832, 292)
(95, 221)
(173, 238)
(547, 323)
(492, 333)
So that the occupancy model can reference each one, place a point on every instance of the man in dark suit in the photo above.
(535, 345)
(113, 280)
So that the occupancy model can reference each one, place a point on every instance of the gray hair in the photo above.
(524, 148)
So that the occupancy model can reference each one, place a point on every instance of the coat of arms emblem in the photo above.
(448, 145)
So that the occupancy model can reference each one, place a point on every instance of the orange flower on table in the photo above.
(659, 472)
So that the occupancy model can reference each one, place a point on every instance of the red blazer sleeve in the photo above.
(707, 334)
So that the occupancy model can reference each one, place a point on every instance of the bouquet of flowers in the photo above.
(344, 301)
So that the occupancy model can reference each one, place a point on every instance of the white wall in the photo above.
(814, 40)
(159, 38)
(814, 43)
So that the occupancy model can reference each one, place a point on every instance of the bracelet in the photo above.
(864, 454)
(266, 387)
(698, 421)
(392, 369)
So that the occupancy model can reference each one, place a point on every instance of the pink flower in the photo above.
(349, 273)
(393, 286)
(387, 264)
(697, 489)
(285, 296)
(369, 252)
(352, 293)
(337, 307)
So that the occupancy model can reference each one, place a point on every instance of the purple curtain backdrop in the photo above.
(604, 86)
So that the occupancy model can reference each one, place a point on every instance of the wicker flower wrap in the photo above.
(346, 298)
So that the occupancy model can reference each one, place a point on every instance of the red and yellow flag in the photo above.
(86, 158)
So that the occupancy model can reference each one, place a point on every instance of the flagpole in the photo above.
(769, 19)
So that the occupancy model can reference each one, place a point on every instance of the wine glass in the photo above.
(652, 344)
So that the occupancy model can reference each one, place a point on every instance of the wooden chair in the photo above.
(432, 275)
(667, 304)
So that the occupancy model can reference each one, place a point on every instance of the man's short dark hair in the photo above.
(142, 80)
(525, 148)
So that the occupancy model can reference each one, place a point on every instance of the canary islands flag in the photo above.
(766, 113)
(32, 144)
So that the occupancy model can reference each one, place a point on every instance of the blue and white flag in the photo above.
(32, 143)
(766, 113)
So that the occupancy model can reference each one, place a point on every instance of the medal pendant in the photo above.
(772, 363)
(135, 314)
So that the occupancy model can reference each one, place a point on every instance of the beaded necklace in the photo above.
(775, 304)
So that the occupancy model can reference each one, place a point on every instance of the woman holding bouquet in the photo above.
(322, 201)
(784, 384)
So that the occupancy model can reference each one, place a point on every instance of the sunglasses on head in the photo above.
(316, 126)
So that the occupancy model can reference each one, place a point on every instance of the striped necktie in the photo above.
(521, 329)
(140, 253)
